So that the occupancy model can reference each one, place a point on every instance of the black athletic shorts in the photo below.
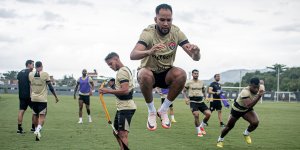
(198, 106)
(160, 79)
(215, 105)
(162, 101)
(123, 119)
(39, 108)
(24, 103)
(85, 99)
(237, 114)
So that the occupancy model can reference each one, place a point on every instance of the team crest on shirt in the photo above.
(172, 45)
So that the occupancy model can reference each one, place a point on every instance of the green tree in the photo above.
(68, 81)
(11, 75)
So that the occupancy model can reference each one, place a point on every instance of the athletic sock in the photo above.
(20, 127)
(80, 119)
(89, 116)
(221, 123)
(220, 139)
(151, 107)
(202, 124)
(172, 117)
(246, 132)
(38, 128)
(32, 126)
(165, 105)
(198, 129)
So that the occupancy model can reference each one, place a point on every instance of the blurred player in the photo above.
(86, 85)
(195, 97)
(163, 95)
(216, 104)
(39, 93)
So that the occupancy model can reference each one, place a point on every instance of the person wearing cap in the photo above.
(243, 107)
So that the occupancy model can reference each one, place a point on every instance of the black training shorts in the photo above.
(215, 105)
(39, 108)
(85, 99)
(123, 119)
(24, 103)
(237, 114)
(198, 107)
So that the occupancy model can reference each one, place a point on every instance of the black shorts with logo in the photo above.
(198, 107)
(237, 114)
(24, 103)
(85, 99)
(123, 119)
(39, 108)
(215, 105)
(162, 101)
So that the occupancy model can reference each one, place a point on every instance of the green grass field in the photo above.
(278, 129)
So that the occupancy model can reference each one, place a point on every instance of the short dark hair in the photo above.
(111, 55)
(38, 64)
(112, 79)
(216, 75)
(254, 81)
(195, 70)
(28, 62)
(163, 6)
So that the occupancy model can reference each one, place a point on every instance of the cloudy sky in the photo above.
(69, 35)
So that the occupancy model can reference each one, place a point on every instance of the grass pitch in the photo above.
(278, 128)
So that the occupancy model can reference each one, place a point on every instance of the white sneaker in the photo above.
(37, 135)
(165, 121)
(80, 121)
(90, 119)
(151, 122)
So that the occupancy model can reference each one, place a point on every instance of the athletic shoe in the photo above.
(80, 121)
(20, 131)
(37, 135)
(220, 144)
(151, 122)
(32, 129)
(173, 120)
(200, 134)
(165, 122)
(202, 130)
(90, 119)
(248, 139)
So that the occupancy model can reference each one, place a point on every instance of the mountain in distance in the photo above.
(234, 75)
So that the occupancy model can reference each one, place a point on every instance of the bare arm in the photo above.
(192, 50)
(139, 51)
(204, 93)
(210, 90)
(251, 103)
(52, 90)
(75, 90)
(124, 90)
(186, 98)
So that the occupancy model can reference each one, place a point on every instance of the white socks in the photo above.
(38, 128)
(198, 129)
(172, 117)
(151, 107)
(165, 106)
(202, 124)
(246, 132)
(220, 139)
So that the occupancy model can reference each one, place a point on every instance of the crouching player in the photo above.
(123, 91)
(243, 107)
